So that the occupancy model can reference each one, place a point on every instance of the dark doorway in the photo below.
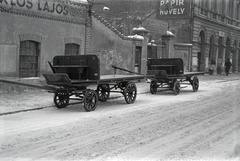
(202, 55)
(138, 58)
(29, 59)
(199, 61)
(228, 47)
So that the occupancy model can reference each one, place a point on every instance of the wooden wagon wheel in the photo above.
(103, 92)
(176, 87)
(90, 100)
(130, 92)
(61, 99)
(195, 84)
(153, 87)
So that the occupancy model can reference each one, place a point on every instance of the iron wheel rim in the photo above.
(61, 99)
(153, 87)
(130, 93)
(195, 84)
(176, 87)
(103, 92)
(90, 100)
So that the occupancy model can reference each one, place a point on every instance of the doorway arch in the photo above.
(201, 53)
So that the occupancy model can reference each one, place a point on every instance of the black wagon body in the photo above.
(169, 73)
(73, 74)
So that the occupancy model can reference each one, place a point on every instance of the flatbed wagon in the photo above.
(169, 74)
(73, 74)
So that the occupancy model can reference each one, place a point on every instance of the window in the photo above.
(237, 12)
(231, 8)
(72, 49)
(223, 6)
(29, 59)
(214, 5)
(138, 57)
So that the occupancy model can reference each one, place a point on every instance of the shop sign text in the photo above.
(45, 7)
(173, 9)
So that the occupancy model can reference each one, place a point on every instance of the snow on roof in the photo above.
(170, 33)
(80, 1)
(139, 37)
(139, 29)
(151, 44)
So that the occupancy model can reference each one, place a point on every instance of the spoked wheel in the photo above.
(176, 87)
(195, 84)
(130, 92)
(103, 92)
(90, 100)
(61, 99)
(153, 87)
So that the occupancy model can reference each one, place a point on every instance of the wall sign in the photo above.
(173, 9)
(46, 7)
(221, 34)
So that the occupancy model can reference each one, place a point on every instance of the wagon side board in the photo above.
(78, 67)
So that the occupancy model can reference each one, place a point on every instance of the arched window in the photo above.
(72, 49)
(29, 59)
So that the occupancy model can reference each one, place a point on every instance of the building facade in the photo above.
(215, 34)
(32, 32)
(206, 31)
(210, 28)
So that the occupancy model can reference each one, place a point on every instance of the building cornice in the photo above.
(217, 22)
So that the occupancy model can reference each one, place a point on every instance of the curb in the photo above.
(40, 108)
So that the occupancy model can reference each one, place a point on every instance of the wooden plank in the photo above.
(112, 79)
(70, 66)
(162, 65)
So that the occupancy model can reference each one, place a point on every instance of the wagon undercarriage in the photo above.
(174, 84)
(169, 74)
(90, 97)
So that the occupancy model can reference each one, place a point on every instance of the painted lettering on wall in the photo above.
(48, 7)
(19, 3)
(173, 9)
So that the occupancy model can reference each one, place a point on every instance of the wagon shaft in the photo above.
(27, 85)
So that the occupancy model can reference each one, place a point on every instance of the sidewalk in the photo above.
(32, 99)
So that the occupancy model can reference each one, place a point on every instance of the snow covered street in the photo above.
(203, 125)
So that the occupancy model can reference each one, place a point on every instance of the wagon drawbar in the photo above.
(169, 74)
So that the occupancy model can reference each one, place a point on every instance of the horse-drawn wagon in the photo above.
(72, 75)
(169, 74)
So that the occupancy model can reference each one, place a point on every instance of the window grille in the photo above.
(72, 49)
(29, 59)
